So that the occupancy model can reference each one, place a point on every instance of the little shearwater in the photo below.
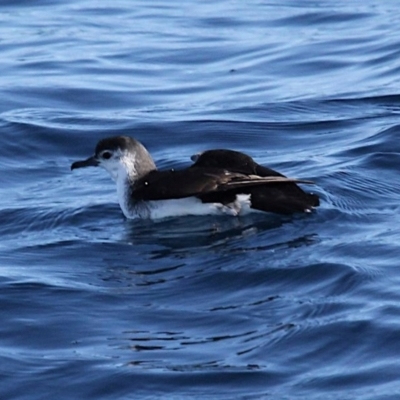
(219, 182)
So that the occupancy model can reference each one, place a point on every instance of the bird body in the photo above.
(219, 182)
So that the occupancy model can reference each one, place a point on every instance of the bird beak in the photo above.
(90, 162)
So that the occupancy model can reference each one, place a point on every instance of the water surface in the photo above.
(98, 307)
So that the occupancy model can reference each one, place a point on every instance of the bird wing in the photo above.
(234, 161)
(164, 185)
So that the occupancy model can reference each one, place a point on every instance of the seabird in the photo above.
(219, 181)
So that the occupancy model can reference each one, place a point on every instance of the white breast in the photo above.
(180, 207)
(187, 206)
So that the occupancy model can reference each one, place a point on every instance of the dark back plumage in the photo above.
(232, 160)
(281, 198)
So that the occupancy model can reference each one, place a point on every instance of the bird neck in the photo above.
(125, 178)
(128, 173)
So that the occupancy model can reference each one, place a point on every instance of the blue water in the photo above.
(264, 307)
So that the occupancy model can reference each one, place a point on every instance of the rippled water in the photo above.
(98, 307)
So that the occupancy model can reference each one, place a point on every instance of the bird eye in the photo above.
(106, 155)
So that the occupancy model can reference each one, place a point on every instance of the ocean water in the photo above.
(94, 306)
